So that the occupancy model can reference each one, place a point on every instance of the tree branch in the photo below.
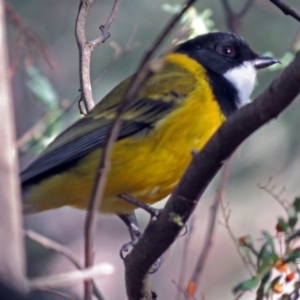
(27, 37)
(233, 18)
(65, 279)
(12, 259)
(49, 244)
(286, 9)
(208, 242)
(159, 235)
(143, 73)
(87, 47)
(85, 51)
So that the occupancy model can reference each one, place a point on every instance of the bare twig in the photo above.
(30, 38)
(65, 279)
(159, 235)
(233, 18)
(277, 196)
(12, 259)
(245, 8)
(142, 74)
(119, 52)
(87, 47)
(196, 276)
(182, 272)
(85, 50)
(136, 83)
(104, 29)
(226, 216)
(49, 244)
(286, 9)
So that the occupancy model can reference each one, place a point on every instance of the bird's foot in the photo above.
(154, 212)
(131, 222)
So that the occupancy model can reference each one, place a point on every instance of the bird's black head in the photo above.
(229, 61)
(222, 51)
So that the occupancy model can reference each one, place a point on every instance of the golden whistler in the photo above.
(178, 109)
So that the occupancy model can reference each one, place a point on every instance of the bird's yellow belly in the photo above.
(145, 167)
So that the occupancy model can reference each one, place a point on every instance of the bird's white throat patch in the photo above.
(243, 78)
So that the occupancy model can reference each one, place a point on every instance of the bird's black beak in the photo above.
(265, 61)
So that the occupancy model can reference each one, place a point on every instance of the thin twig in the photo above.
(277, 196)
(226, 216)
(245, 8)
(234, 18)
(138, 80)
(87, 47)
(119, 53)
(85, 50)
(183, 267)
(49, 244)
(104, 29)
(196, 277)
(286, 9)
(143, 73)
(30, 37)
(65, 279)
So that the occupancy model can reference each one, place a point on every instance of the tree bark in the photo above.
(12, 259)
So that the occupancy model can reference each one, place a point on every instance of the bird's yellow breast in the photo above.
(147, 166)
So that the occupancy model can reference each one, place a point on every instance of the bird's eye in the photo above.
(226, 50)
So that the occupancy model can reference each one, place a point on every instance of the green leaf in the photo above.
(282, 225)
(275, 280)
(297, 285)
(296, 204)
(266, 256)
(269, 240)
(246, 285)
(41, 88)
(293, 256)
(292, 213)
(266, 261)
(262, 287)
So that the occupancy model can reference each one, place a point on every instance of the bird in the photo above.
(202, 82)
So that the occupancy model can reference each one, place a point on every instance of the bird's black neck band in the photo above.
(224, 91)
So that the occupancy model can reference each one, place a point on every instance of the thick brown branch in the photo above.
(286, 9)
(159, 235)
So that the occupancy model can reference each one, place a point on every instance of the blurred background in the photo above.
(44, 74)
